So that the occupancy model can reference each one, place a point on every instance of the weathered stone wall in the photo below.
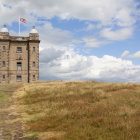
(4, 56)
(29, 58)
(33, 57)
(18, 57)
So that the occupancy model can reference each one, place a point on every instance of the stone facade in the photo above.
(19, 58)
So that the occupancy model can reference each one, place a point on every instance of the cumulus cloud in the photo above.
(123, 17)
(55, 35)
(126, 53)
(135, 55)
(120, 11)
(72, 66)
(120, 34)
(49, 54)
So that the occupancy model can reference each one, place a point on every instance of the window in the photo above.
(34, 64)
(18, 77)
(3, 77)
(3, 63)
(3, 48)
(19, 66)
(19, 49)
(33, 49)
(33, 76)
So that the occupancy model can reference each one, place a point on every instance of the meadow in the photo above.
(79, 110)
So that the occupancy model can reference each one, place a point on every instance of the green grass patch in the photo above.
(31, 135)
(3, 98)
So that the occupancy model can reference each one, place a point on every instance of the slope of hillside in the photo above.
(79, 110)
(10, 123)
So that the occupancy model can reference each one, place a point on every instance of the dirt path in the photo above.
(1, 137)
(10, 126)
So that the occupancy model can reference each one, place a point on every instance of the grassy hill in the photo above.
(78, 110)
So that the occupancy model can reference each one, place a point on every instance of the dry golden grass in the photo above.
(80, 110)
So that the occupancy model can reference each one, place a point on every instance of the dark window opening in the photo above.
(33, 76)
(3, 77)
(19, 49)
(3, 64)
(33, 64)
(19, 77)
(33, 49)
(19, 66)
(3, 48)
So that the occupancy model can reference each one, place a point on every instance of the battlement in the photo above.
(4, 35)
(18, 38)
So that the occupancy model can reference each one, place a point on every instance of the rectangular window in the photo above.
(33, 49)
(19, 77)
(3, 48)
(3, 63)
(3, 77)
(34, 64)
(19, 66)
(19, 49)
(33, 76)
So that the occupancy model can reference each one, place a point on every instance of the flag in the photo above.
(23, 20)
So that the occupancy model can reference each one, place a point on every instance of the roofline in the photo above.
(9, 40)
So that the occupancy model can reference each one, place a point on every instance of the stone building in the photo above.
(19, 57)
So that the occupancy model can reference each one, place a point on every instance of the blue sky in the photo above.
(81, 40)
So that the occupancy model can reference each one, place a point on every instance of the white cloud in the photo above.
(105, 11)
(55, 36)
(120, 13)
(123, 17)
(120, 34)
(72, 66)
(49, 54)
(135, 55)
(125, 54)
(91, 41)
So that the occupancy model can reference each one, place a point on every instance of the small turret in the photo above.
(4, 34)
(4, 29)
(34, 34)
(34, 31)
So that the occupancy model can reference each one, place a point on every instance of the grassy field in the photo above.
(79, 110)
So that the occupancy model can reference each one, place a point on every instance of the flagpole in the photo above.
(19, 26)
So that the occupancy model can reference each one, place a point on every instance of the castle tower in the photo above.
(33, 55)
(19, 57)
